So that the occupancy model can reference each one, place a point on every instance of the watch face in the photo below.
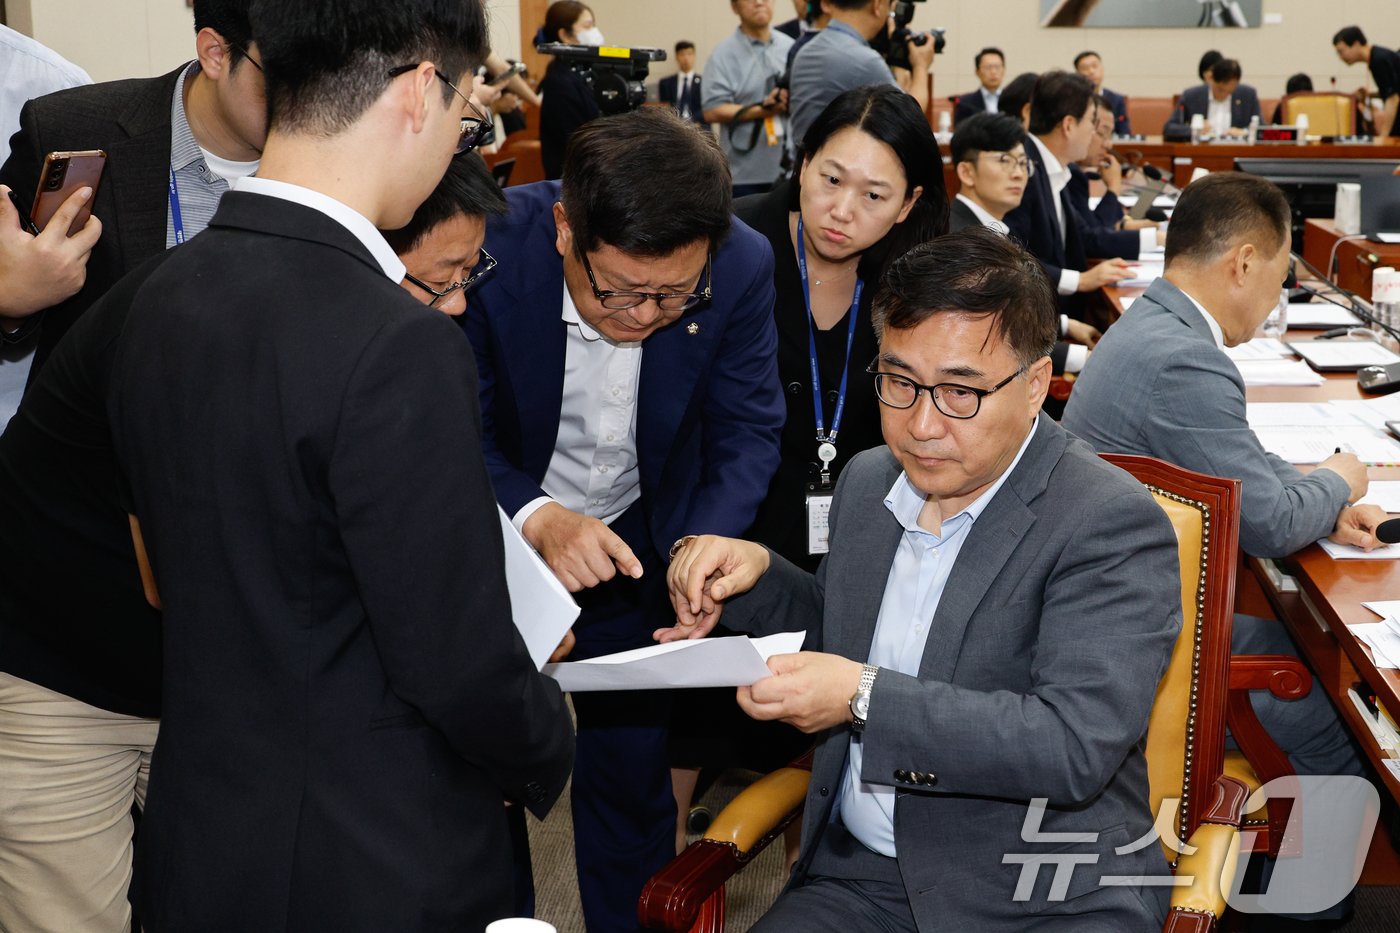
(861, 705)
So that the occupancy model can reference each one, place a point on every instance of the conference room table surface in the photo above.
(1325, 595)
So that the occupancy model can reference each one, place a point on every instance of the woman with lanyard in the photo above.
(869, 188)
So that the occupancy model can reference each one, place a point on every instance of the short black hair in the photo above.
(1215, 212)
(1298, 82)
(615, 191)
(986, 132)
(845, 4)
(1227, 69)
(989, 50)
(684, 44)
(229, 18)
(978, 272)
(466, 188)
(1208, 61)
(887, 114)
(1349, 35)
(1085, 54)
(1017, 94)
(327, 61)
(1059, 94)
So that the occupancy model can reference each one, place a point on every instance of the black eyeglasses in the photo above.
(477, 130)
(1006, 162)
(954, 400)
(484, 265)
(666, 301)
(251, 60)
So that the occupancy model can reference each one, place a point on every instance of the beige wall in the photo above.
(113, 39)
(1152, 62)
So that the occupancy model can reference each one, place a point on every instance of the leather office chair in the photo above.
(1329, 113)
(1185, 739)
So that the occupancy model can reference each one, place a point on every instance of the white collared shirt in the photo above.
(984, 218)
(1058, 175)
(594, 467)
(349, 218)
(923, 562)
(1218, 116)
(990, 99)
(1211, 322)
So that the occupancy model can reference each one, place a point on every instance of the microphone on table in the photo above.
(1388, 531)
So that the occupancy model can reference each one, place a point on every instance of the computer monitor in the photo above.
(1311, 184)
(1380, 208)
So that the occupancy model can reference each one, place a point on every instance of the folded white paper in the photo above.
(702, 662)
(1351, 552)
(542, 607)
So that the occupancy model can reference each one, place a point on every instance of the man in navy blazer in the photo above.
(682, 90)
(1222, 85)
(630, 396)
(1090, 65)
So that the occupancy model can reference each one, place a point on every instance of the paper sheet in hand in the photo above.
(1350, 552)
(1146, 271)
(542, 608)
(702, 662)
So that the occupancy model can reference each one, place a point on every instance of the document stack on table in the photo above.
(1310, 432)
(1267, 361)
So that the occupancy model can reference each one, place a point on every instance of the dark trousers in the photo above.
(624, 811)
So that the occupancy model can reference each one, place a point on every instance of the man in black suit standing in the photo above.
(991, 69)
(1090, 65)
(346, 700)
(1226, 105)
(204, 123)
(682, 90)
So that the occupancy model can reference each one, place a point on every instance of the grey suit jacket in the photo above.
(1037, 678)
(1158, 385)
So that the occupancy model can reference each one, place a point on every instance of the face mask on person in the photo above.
(590, 36)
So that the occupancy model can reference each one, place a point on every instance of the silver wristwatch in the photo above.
(860, 703)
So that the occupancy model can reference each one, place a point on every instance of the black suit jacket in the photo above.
(967, 105)
(1033, 224)
(666, 92)
(960, 217)
(347, 700)
(131, 121)
(1096, 229)
(1244, 104)
(1119, 105)
(568, 104)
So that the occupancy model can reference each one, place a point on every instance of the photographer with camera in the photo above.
(841, 58)
(566, 100)
(741, 94)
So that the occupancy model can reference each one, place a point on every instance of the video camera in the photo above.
(897, 54)
(616, 75)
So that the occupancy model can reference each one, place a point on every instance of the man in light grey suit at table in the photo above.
(1160, 384)
(985, 636)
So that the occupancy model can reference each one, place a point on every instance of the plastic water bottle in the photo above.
(1253, 136)
(1276, 324)
(1198, 127)
(1385, 302)
(1302, 122)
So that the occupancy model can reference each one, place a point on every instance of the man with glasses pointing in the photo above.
(987, 629)
(630, 394)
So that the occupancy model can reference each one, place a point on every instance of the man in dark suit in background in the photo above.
(990, 65)
(1225, 103)
(149, 127)
(682, 90)
(1062, 127)
(630, 394)
(78, 643)
(1090, 65)
(347, 701)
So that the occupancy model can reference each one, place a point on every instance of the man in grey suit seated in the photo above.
(1160, 384)
(985, 636)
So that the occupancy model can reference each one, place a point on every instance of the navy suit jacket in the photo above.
(709, 405)
(1097, 227)
(967, 105)
(1244, 103)
(1033, 223)
(1119, 105)
(667, 92)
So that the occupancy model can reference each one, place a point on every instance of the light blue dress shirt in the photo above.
(28, 70)
(922, 565)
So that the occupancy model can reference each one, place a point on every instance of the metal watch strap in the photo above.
(867, 683)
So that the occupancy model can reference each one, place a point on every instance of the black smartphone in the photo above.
(25, 220)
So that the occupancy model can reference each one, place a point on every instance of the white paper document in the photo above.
(1278, 373)
(1343, 354)
(1298, 415)
(1374, 412)
(542, 607)
(1320, 315)
(1261, 348)
(1383, 642)
(1314, 444)
(702, 662)
(1146, 272)
(1350, 552)
(1127, 302)
(1384, 493)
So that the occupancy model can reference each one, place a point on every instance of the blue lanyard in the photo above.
(822, 436)
(176, 220)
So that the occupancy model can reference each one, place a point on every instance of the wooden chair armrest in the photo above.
(1212, 862)
(1282, 675)
(675, 896)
